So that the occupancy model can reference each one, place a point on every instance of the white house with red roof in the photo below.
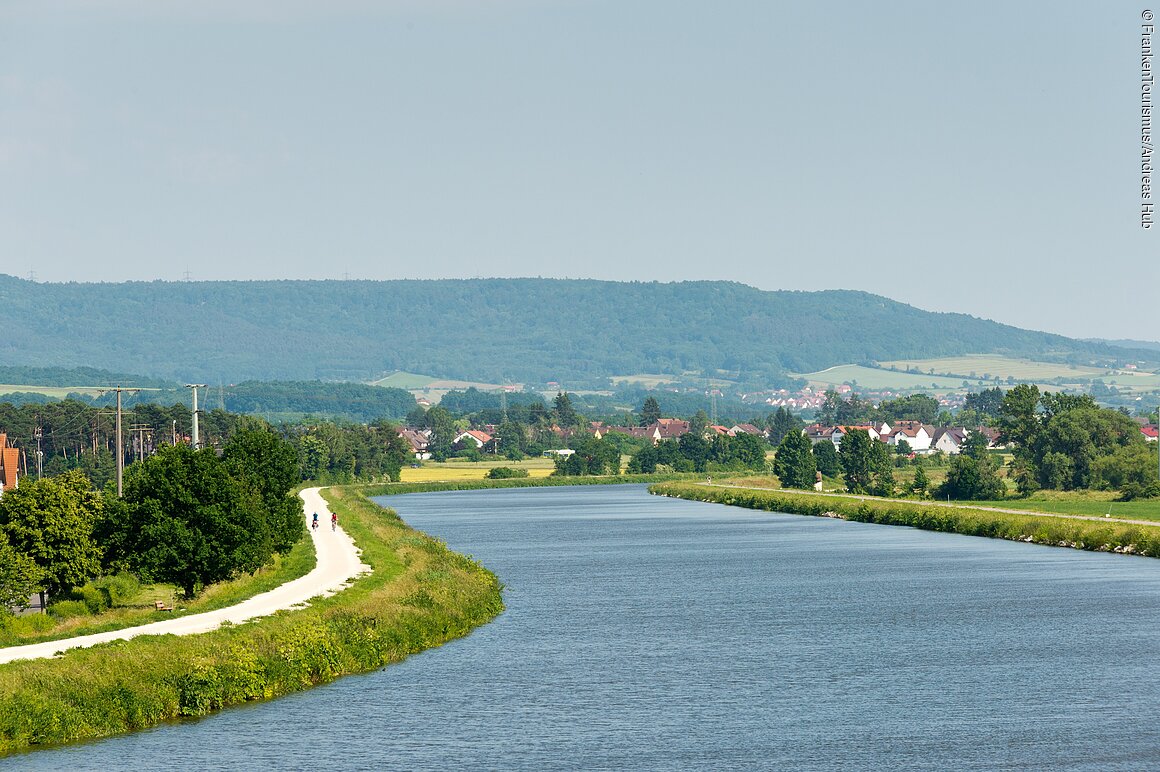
(1150, 432)
(917, 435)
(474, 436)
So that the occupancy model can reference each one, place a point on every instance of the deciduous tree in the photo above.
(52, 521)
(794, 463)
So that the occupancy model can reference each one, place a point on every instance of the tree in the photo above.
(881, 469)
(20, 577)
(921, 483)
(184, 519)
(856, 456)
(695, 449)
(748, 451)
(698, 423)
(650, 412)
(590, 457)
(782, 423)
(513, 440)
(987, 403)
(270, 465)
(564, 413)
(1135, 463)
(902, 448)
(1018, 418)
(443, 431)
(972, 479)
(826, 456)
(916, 407)
(794, 463)
(52, 521)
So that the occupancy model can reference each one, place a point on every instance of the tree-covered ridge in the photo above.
(530, 330)
(76, 376)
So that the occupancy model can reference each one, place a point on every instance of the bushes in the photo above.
(1038, 529)
(505, 473)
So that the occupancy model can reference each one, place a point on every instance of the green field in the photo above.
(59, 392)
(873, 378)
(994, 367)
(647, 380)
(405, 380)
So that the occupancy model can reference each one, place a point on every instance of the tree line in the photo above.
(188, 517)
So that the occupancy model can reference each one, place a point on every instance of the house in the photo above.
(420, 442)
(473, 436)
(716, 429)
(9, 464)
(670, 428)
(746, 429)
(1149, 431)
(949, 440)
(819, 433)
(916, 434)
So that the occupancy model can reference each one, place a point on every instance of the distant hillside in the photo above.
(1149, 345)
(75, 376)
(575, 332)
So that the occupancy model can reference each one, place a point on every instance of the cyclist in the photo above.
(314, 524)
(334, 521)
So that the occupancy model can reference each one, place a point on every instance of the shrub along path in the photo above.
(338, 564)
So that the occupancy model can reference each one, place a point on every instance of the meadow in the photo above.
(994, 367)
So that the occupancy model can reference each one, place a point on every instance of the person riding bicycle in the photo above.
(314, 524)
(333, 521)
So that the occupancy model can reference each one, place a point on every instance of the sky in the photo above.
(982, 158)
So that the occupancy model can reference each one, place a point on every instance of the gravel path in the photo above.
(338, 564)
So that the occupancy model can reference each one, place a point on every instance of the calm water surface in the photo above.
(649, 633)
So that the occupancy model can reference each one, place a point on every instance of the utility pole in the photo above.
(38, 434)
(120, 451)
(120, 442)
(195, 387)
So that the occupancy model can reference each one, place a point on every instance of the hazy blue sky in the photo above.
(975, 157)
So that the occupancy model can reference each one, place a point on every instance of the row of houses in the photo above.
(484, 438)
(922, 438)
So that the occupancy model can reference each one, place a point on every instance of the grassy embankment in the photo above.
(419, 595)
(1085, 503)
(934, 516)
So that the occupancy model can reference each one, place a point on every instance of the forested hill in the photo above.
(531, 330)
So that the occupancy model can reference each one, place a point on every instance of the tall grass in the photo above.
(419, 595)
(1038, 529)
